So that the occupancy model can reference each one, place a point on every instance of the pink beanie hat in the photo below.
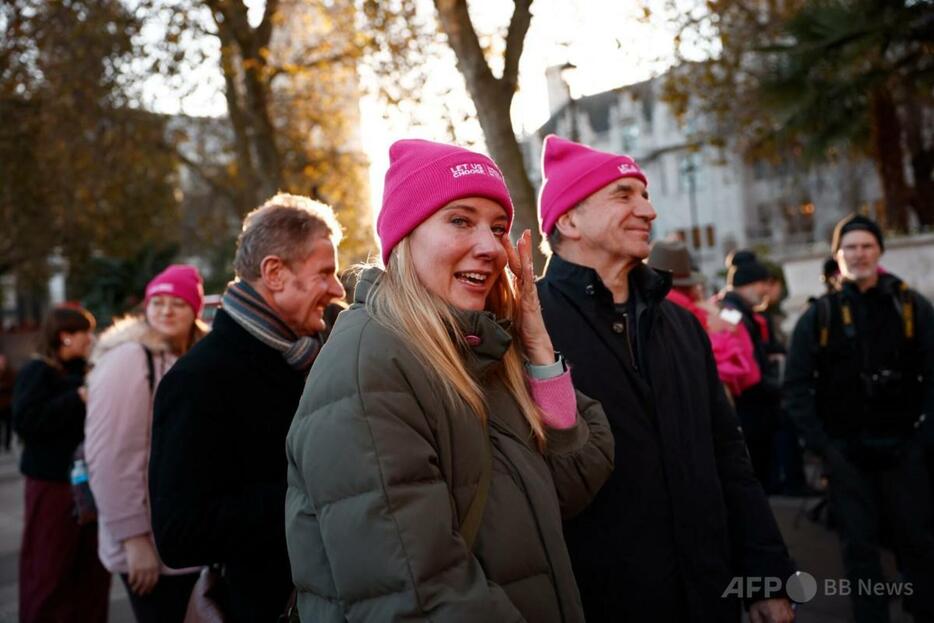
(423, 177)
(571, 172)
(179, 280)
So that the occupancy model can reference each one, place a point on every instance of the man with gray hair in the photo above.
(217, 471)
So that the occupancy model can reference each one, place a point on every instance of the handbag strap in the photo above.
(470, 522)
(150, 370)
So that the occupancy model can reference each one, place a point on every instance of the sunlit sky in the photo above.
(605, 39)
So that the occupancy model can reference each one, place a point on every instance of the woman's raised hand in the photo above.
(534, 336)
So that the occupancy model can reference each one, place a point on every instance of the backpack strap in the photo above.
(823, 321)
(906, 307)
(470, 522)
(150, 369)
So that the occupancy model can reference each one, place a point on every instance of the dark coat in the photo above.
(826, 389)
(682, 513)
(759, 406)
(48, 415)
(217, 472)
(381, 468)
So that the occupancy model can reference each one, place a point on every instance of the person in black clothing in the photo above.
(682, 514)
(759, 406)
(217, 471)
(60, 576)
(859, 385)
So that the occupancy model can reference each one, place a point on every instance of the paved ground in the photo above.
(11, 526)
(814, 548)
(817, 551)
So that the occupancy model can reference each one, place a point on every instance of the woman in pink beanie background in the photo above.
(129, 360)
(439, 440)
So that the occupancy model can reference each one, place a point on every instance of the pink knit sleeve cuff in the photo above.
(555, 397)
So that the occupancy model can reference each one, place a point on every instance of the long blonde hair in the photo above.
(402, 303)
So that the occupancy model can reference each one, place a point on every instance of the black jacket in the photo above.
(48, 415)
(829, 391)
(759, 406)
(217, 473)
(682, 513)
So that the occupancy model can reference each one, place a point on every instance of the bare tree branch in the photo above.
(264, 30)
(462, 37)
(515, 40)
(217, 186)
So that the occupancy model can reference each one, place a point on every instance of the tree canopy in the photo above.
(813, 80)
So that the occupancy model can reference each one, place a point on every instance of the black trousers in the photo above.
(166, 603)
(863, 500)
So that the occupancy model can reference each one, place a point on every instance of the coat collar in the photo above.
(649, 286)
(734, 300)
(888, 284)
(128, 329)
(487, 337)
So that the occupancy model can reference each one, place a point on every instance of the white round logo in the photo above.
(801, 587)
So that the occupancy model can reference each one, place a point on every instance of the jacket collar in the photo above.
(365, 282)
(887, 284)
(128, 329)
(648, 285)
(735, 301)
(488, 337)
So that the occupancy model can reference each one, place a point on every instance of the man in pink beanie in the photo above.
(682, 514)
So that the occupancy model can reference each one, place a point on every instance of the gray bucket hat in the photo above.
(672, 256)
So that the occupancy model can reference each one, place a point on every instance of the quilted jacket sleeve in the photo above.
(581, 457)
(369, 518)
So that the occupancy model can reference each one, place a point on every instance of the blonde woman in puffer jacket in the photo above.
(129, 360)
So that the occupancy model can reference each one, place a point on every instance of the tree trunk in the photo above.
(493, 113)
(245, 76)
(922, 161)
(887, 142)
(492, 98)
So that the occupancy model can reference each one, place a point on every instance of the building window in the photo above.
(630, 137)
(690, 168)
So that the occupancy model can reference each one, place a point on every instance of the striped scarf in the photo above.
(250, 311)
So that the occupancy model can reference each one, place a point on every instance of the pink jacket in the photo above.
(732, 350)
(117, 435)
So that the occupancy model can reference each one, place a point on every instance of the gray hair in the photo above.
(552, 242)
(285, 226)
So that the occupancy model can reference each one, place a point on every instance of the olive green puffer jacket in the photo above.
(381, 468)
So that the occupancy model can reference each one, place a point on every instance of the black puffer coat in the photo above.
(381, 468)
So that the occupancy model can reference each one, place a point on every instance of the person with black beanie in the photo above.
(758, 407)
(859, 387)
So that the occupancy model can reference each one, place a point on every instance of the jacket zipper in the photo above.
(632, 355)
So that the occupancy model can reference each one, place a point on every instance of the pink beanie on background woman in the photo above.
(180, 280)
(423, 177)
(571, 172)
